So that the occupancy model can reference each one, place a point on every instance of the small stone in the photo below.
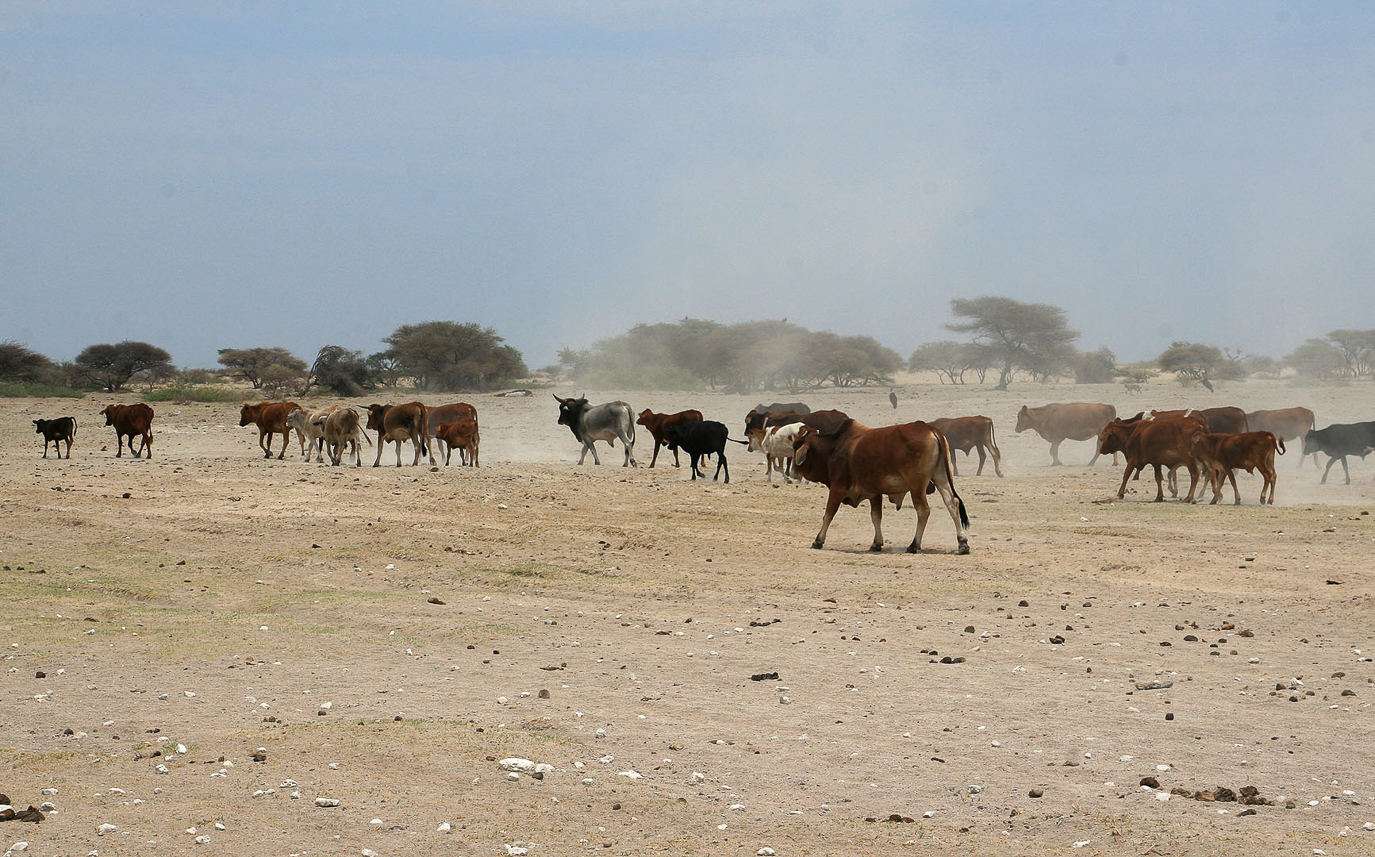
(446, 827)
(326, 801)
(1035, 793)
(105, 828)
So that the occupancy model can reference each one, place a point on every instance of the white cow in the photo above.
(310, 425)
(776, 442)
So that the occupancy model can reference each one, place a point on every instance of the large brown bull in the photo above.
(859, 463)
(399, 424)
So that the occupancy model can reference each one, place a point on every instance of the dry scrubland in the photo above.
(386, 635)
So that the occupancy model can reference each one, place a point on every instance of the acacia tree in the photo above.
(1357, 348)
(1193, 361)
(1016, 335)
(110, 367)
(20, 363)
(447, 355)
(945, 358)
(341, 370)
(255, 365)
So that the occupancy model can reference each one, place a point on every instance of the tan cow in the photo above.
(1252, 450)
(1062, 421)
(1285, 424)
(462, 435)
(659, 424)
(398, 424)
(270, 417)
(971, 433)
(342, 429)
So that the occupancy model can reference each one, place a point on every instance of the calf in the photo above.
(971, 433)
(1252, 450)
(777, 445)
(701, 438)
(56, 431)
(130, 420)
(461, 435)
(659, 424)
(447, 414)
(1340, 440)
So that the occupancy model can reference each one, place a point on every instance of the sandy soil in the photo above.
(387, 635)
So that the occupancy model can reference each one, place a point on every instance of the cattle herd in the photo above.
(855, 462)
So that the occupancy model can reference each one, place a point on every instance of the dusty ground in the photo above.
(227, 603)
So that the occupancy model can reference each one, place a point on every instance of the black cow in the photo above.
(1340, 440)
(56, 431)
(697, 439)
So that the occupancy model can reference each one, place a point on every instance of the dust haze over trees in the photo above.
(1034, 338)
(1193, 361)
(751, 355)
(260, 365)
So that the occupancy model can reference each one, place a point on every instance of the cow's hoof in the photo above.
(876, 548)
(816, 545)
(914, 548)
(964, 548)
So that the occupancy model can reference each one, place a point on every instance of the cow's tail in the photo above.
(1279, 444)
(993, 436)
(741, 442)
(950, 478)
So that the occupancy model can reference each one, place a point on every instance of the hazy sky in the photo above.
(209, 175)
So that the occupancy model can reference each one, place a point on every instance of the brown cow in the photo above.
(448, 414)
(270, 417)
(1111, 443)
(659, 424)
(398, 423)
(130, 420)
(461, 435)
(1062, 421)
(1285, 424)
(1167, 443)
(1252, 450)
(968, 433)
(859, 463)
(1223, 420)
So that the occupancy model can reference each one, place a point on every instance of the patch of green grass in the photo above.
(19, 390)
(194, 394)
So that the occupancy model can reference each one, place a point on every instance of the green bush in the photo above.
(194, 394)
(32, 389)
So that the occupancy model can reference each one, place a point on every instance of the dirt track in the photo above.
(228, 603)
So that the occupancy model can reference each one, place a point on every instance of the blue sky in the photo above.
(215, 175)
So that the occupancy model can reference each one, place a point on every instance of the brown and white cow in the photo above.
(462, 435)
(776, 442)
(130, 420)
(1285, 424)
(1252, 450)
(1157, 443)
(399, 424)
(971, 433)
(270, 418)
(343, 429)
(1062, 421)
(659, 424)
(858, 463)
(449, 413)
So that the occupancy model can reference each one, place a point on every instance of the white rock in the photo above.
(50, 791)
(544, 768)
(181, 749)
(501, 700)
(737, 806)
(116, 791)
(1082, 842)
(105, 828)
(975, 789)
(631, 775)
(202, 840)
(699, 777)
(517, 764)
(446, 827)
(766, 851)
(1369, 825)
(1162, 796)
(326, 801)
(295, 795)
(368, 852)
(18, 847)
